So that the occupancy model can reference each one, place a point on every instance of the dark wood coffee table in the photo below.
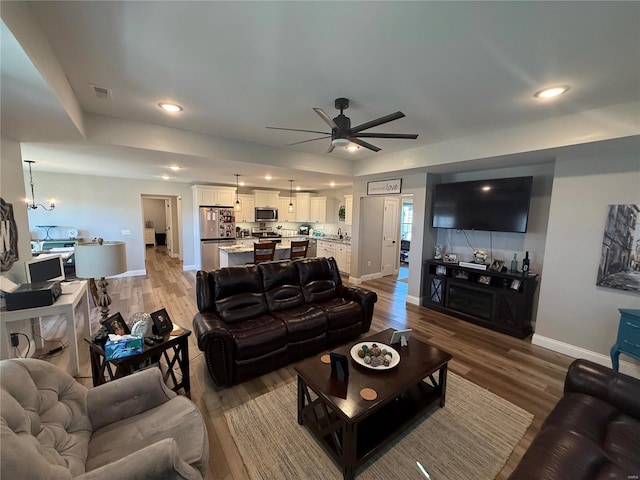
(352, 429)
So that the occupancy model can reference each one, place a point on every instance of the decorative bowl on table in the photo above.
(375, 355)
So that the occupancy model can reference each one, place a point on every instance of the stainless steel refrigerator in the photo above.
(217, 229)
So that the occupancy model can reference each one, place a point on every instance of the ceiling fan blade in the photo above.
(297, 130)
(377, 121)
(411, 136)
(364, 144)
(305, 141)
(328, 120)
(330, 149)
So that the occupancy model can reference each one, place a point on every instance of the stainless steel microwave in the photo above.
(265, 214)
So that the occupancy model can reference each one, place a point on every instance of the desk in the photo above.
(65, 305)
(174, 350)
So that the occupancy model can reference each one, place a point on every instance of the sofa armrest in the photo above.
(218, 345)
(366, 299)
(615, 388)
(159, 460)
(126, 397)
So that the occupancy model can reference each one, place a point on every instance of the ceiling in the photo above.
(456, 69)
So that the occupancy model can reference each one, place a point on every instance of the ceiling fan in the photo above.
(342, 133)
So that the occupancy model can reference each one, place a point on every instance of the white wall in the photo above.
(12, 191)
(104, 207)
(574, 315)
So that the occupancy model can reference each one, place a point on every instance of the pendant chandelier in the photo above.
(32, 205)
(290, 196)
(237, 206)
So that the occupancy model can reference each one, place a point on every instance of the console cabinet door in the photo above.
(435, 292)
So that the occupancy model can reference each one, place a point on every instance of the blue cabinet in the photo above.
(628, 341)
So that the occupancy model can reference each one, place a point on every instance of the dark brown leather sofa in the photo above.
(592, 433)
(255, 318)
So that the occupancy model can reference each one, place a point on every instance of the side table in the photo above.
(174, 350)
(628, 341)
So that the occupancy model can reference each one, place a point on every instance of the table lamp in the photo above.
(100, 259)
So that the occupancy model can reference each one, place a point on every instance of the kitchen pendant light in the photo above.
(32, 205)
(237, 205)
(290, 196)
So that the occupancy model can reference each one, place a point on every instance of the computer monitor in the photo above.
(45, 268)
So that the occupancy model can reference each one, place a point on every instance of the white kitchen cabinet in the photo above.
(266, 198)
(211, 196)
(150, 236)
(341, 256)
(283, 210)
(247, 212)
(325, 249)
(348, 209)
(322, 210)
(348, 268)
(302, 207)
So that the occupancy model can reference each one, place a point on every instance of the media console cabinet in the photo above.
(497, 300)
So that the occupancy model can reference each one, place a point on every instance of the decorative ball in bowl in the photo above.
(375, 355)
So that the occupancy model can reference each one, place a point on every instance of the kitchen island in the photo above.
(243, 254)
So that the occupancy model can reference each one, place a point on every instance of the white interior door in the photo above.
(390, 235)
(169, 228)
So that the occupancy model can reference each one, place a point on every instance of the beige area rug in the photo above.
(472, 437)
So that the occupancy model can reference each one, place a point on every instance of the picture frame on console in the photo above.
(461, 274)
(484, 279)
(515, 284)
(496, 265)
(450, 258)
(441, 270)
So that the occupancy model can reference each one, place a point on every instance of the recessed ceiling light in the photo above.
(268, 177)
(175, 168)
(353, 148)
(332, 184)
(170, 107)
(165, 177)
(551, 92)
(297, 189)
(241, 184)
(486, 188)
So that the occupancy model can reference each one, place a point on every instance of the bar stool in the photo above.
(299, 249)
(263, 252)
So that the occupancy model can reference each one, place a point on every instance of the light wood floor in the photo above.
(528, 376)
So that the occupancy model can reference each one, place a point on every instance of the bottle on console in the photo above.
(525, 264)
(514, 264)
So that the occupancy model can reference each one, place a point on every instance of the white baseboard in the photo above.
(131, 273)
(628, 368)
(413, 300)
(354, 280)
(187, 268)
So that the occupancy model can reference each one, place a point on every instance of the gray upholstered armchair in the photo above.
(131, 428)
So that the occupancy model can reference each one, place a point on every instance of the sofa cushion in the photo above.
(258, 336)
(238, 293)
(341, 313)
(316, 279)
(281, 285)
(44, 421)
(173, 419)
(303, 322)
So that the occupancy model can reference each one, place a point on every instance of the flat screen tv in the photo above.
(498, 205)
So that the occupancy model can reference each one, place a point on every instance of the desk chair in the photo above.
(263, 252)
(299, 249)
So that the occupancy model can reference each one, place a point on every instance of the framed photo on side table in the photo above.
(116, 324)
(161, 322)
(515, 284)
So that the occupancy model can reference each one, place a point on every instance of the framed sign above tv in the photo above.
(385, 187)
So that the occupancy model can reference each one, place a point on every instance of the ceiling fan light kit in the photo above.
(342, 135)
